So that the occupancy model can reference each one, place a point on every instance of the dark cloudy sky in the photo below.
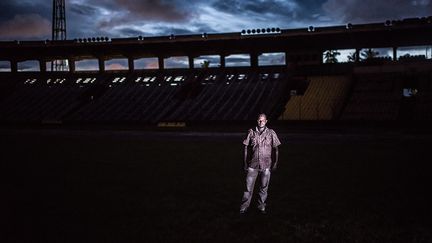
(31, 19)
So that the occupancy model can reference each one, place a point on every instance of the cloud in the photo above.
(154, 10)
(128, 31)
(152, 64)
(270, 13)
(30, 19)
(257, 7)
(116, 66)
(31, 26)
(151, 11)
(373, 10)
(10, 8)
(81, 20)
(272, 10)
(160, 29)
(83, 9)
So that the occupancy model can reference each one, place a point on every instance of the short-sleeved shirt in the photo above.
(262, 145)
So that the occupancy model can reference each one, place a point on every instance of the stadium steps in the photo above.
(253, 107)
(322, 100)
(182, 99)
(233, 89)
(197, 113)
(375, 97)
(217, 99)
(268, 98)
(233, 109)
(197, 104)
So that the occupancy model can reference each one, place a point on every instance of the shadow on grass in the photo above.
(100, 188)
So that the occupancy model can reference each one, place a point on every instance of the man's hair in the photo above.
(262, 114)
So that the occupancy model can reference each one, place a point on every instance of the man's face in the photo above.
(261, 121)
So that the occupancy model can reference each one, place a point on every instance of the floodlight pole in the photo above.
(59, 31)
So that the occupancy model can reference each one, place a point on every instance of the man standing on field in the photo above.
(262, 140)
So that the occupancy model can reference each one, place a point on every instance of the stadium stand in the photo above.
(419, 105)
(375, 97)
(147, 97)
(302, 87)
(212, 95)
(322, 100)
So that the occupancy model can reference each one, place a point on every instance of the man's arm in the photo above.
(276, 158)
(245, 167)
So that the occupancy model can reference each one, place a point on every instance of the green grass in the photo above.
(71, 186)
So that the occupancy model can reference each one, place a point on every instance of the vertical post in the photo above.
(161, 63)
(14, 66)
(101, 64)
(191, 62)
(71, 63)
(394, 54)
(254, 60)
(357, 55)
(42, 66)
(222, 61)
(131, 64)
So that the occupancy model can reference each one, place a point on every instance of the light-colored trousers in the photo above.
(251, 177)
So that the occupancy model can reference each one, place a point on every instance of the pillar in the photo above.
(357, 55)
(131, 64)
(14, 66)
(42, 65)
(101, 64)
(161, 63)
(191, 62)
(222, 61)
(71, 63)
(254, 60)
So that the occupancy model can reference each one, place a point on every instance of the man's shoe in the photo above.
(262, 211)
(242, 212)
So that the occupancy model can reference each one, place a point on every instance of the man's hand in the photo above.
(276, 159)
(245, 155)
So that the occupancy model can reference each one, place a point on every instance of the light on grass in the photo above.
(30, 81)
(264, 76)
(179, 79)
(118, 79)
(210, 77)
(241, 76)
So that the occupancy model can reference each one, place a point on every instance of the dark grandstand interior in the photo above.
(149, 98)
(303, 86)
(154, 155)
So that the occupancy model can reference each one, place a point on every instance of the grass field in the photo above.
(135, 186)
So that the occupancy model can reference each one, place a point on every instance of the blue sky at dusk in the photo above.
(31, 19)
